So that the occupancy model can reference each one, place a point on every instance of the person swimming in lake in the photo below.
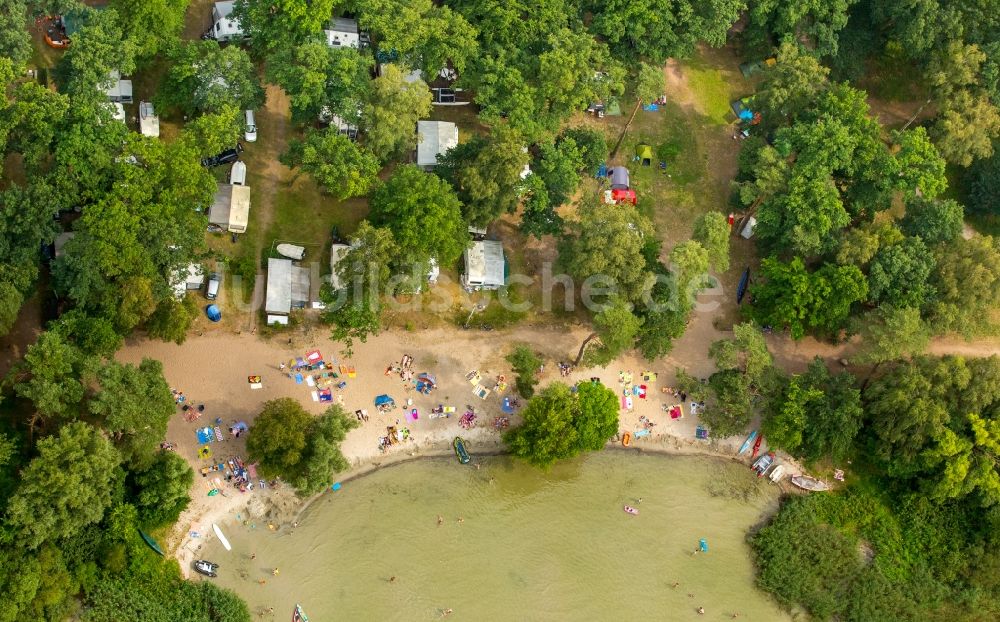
(701, 610)
(440, 520)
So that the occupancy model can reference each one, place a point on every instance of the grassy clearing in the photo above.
(712, 90)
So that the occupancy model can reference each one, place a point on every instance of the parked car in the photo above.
(214, 283)
(226, 157)
(250, 133)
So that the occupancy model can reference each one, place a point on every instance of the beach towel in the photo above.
(641, 433)
(481, 391)
(315, 396)
(313, 356)
(641, 391)
(218, 434)
(326, 395)
(205, 435)
(298, 378)
(677, 412)
(474, 378)
(351, 372)
(648, 376)
(626, 402)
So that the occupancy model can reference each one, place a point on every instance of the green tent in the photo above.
(644, 154)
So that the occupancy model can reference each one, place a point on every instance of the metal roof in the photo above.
(434, 138)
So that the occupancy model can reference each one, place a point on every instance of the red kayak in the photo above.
(756, 446)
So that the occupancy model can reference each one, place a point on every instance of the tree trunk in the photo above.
(618, 144)
(870, 375)
(583, 348)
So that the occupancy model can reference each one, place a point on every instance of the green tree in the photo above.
(898, 274)
(966, 280)
(172, 319)
(791, 85)
(539, 217)
(525, 362)
(204, 77)
(423, 214)
(66, 487)
(130, 244)
(933, 220)
(99, 47)
(966, 128)
(363, 271)
(93, 336)
(790, 296)
(745, 370)
(815, 413)
(548, 433)
(664, 318)
(336, 164)
(815, 24)
(920, 165)
(318, 77)
(609, 242)
(272, 24)
(559, 165)
(596, 417)
(279, 437)
(712, 231)
(657, 30)
(591, 144)
(15, 42)
(984, 191)
(304, 450)
(151, 27)
(649, 83)
(616, 327)
(423, 34)
(690, 266)
(890, 333)
(51, 377)
(323, 457)
(134, 405)
(486, 174)
(161, 489)
(391, 112)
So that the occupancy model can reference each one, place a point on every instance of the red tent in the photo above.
(623, 195)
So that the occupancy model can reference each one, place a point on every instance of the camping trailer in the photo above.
(225, 26)
(118, 91)
(149, 123)
(342, 33)
(287, 289)
(434, 138)
(231, 208)
(485, 266)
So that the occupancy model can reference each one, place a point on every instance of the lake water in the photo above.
(532, 545)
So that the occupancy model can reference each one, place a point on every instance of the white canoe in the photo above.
(777, 473)
(222, 538)
(291, 251)
(810, 483)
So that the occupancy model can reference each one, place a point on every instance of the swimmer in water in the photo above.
(461, 520)
(701, 610)
(440, 520)
(274, 572)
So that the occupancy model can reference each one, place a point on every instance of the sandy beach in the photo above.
(213, 370)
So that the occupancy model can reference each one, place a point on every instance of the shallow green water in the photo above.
(532, 545)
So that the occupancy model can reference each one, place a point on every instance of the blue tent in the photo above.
(384, 400)
(213, 313)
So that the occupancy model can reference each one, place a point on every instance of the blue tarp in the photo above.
(205, 435)
(651, 107)
(746, 114)
(383, 399)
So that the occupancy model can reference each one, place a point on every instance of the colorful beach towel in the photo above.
(218, 434)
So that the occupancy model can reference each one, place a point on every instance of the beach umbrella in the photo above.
(213, 312)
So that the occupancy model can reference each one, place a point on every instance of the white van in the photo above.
(250, 134)
(214, 283)
(238, 174)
